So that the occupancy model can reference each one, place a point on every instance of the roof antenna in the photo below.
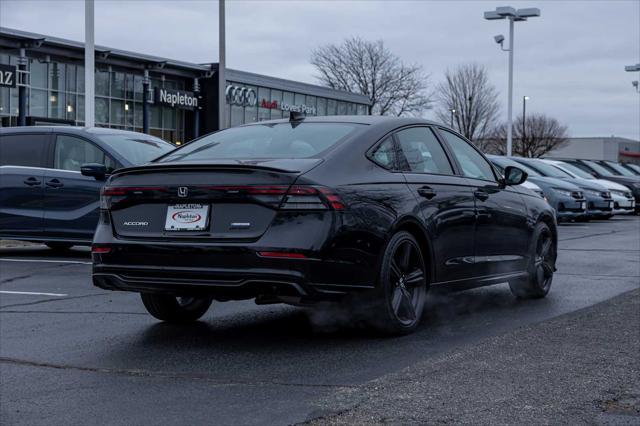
(295, 118)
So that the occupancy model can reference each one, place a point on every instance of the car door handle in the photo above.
(426, 192)
(54, 183)
(481, 195)
(32, 181)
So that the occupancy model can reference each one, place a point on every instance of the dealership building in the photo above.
(610, 148)
(181, 97)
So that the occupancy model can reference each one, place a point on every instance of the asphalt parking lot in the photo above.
(71, 353)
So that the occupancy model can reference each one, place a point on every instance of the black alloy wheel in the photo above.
(542, 266)
(176, 309)
(402, 286)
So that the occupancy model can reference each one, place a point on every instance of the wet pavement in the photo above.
(71, 353)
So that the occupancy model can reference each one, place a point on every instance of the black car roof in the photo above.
(357, 119)
(65, 129)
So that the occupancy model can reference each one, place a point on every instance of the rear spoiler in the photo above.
(195, 167)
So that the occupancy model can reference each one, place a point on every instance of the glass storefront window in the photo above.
(57, 77)
(331, 107)
(342, 108)
(137, 87)
(276, 96)
(362, 109)
(38, 73)
(117, 84)
(169, 117)
(299, 99)
(102, 110)
(80, 109)
(117, 112)
(70, 107)
(37, 102)
(4, 101)
(128, 86)
(311, 102)
(57, 105)
(322, 106)
(102, 83)
(155, 116)
(128, 113)
(137, 114)
(80, 80)
(71, 78)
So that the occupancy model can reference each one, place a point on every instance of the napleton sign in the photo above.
(176, 98)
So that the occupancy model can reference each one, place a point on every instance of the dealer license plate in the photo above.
(186, 217)
(610, 204)
(583, 205)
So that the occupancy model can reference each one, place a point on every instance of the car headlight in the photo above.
(562, 192)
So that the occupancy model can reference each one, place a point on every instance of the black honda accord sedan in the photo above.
(369, 211)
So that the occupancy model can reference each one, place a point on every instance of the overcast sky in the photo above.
(570, 61)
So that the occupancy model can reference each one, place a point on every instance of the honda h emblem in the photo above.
(183, 191)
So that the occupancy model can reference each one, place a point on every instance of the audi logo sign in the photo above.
(241, 96)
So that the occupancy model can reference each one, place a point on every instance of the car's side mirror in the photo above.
(95, 170)
(514, 175)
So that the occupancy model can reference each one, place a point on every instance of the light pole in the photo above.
(513, 15)
(633, 68)
(222, 59)
(89, 64)
(524, 109)
(453, 111)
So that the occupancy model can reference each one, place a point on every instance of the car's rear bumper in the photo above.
(227, 273)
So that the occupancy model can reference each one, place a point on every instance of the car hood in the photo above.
(587, 184)
(544, 181)
(611, 185)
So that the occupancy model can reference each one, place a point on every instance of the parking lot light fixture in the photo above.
(513, 15)
(632, 68)
(453, 111)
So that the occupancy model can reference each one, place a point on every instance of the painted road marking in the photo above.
(32, 293)
(77, 262)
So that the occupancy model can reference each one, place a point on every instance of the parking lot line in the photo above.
(78, 262)
(33, 293)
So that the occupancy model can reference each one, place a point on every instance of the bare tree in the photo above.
(368, 68)
(468, 102)
(539, 135)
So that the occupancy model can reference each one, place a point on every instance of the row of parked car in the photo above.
(581, 190)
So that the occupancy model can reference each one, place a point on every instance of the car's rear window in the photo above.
(137, 148)
(280, 140)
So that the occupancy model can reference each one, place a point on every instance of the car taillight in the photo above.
(112, 194)
(302, 197)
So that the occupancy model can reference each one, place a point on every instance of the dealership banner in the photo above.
(182, 99)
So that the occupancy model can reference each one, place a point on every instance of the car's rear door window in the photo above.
(472, 163)
(26, 150)
(422, 152)
(71, 153)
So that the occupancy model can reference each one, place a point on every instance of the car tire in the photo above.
(173, 309)
(58, 246)
(398, 301)
(542, 259)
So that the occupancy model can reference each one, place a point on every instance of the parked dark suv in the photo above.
(44, 196)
